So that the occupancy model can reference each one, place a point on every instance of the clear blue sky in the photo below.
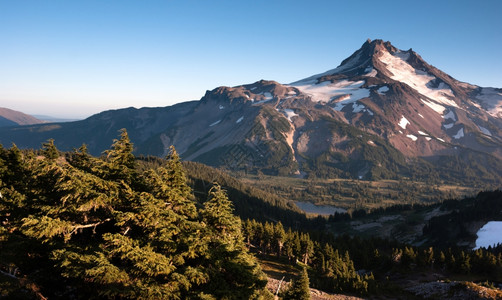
(77, 58)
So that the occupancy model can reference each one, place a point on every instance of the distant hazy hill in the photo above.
(9, 117)
(53, 119)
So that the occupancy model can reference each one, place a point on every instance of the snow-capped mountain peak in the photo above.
(381, 84)
(382, 112)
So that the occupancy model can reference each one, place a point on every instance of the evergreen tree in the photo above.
(49, 150)
(121, 163)
(170, 182)
(81, 159)
(279, 236)
(233, 271)
(14, 173)
(299, 289)
(307, 247)
(99, 227)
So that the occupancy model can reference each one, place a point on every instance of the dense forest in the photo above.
(75, 226)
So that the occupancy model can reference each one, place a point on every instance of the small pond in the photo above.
(311, 208)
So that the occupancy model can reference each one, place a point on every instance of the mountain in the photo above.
(383, 113)
(411, 99)
(9, 117)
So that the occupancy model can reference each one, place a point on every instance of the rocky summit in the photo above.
(382, 113)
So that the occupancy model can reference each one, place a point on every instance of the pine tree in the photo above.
(307, 247)
(14, 173)
(170, 182)
(108, 232)
(81, 159)
(249, 232)
(299, 289)
(234, 272)
(279, 236)
(121, 163)
(49, 150)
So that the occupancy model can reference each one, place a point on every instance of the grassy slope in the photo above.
(350, 193)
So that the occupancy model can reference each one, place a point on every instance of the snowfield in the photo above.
(450, 115)
(357, 108)
(419, 80)
(460, 134)
(434, 106)
(370, 72)
(326, 91)
(484, 130)
(412, 137)
(489, 235)
(289, 113)
(383, 89)
(403, 122)
(492, 98)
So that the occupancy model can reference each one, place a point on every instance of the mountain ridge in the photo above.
(10, 117)
(381, 113)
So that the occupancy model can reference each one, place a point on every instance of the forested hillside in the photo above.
(75, 226)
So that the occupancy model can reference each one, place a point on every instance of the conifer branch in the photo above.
(89, 225)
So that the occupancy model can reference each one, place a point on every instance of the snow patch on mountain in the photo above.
(492, 98)
(215, 123)
(403, 122)
(350, 64)
(357, 107)
(422, 133)
(268, 96)
(434, 106)
(460, 134)
(416, 79)
(222, 107)
(240, 119)
(450, 115)
(484, 130)
(326, 91)
(383, 90)
(412, 137)
(289, 113)
(370, 72)
(448, 126)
